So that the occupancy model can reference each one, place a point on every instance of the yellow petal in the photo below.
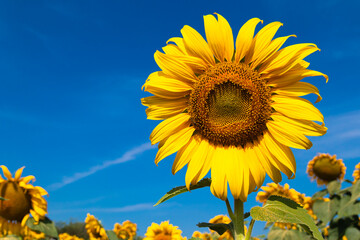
(219, 36)
(261, 41)
(245, 38)
(18, 174)
(161, 85)
(174, 68)
(288, 135)
(174, 143)
(299, 89)
(281, 153)
(293, 76)
(234, 170)
(307, 127)
(6, 172)
(161, 108)
(196, 45)
(287, 58)
(295, 107)
(218, 174)
(197, 162)
(179, 42)
(185, 154)
(269, 51)
(41, 191)
(169, 126)
(256, 169)
(265, 160)
(27, 179)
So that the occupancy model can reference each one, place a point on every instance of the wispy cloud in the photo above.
(129, 208)
(128, 156)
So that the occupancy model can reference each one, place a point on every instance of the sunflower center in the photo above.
(326, 169)
(18, 203)
(230, 105)
(162, 236)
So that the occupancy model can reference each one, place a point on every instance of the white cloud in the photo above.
(129, 155)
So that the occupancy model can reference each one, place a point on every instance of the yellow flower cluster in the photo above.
(66, 236)
(95, 229)
(126, 230)
(164, 231)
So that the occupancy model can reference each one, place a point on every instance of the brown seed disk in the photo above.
(230, 105)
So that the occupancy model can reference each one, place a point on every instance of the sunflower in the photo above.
(356, 173)
(222, 219)
(28, 234)
(66, 236)
(203, 236)
(126, 230)
(94, 228)
(164, 231)
(234, 110)
(22, 199)
(326, 168)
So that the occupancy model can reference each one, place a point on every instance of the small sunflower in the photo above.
(233, 110)
(326, 168)
(22, 199)
(356, 173)
(203, 236)
(94, 228)
(222, 219)
(164, 231)
(126, 230)
(66, 236)
(29, 234)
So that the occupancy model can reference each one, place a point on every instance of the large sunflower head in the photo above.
(164, 231)
(234, 107)
(22, 199)
(326, 168)
(356, 173)
(222, 219)
(126, 230)
(94, 228)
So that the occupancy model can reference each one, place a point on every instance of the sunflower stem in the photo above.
(251, 225)
(230, 211)
(238, 220)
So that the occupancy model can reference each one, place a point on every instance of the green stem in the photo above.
(231, 213)
(239, 220)
(248, 234)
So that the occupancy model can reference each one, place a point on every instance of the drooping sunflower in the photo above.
(164, 231)
(126, 230)
(203, 236)
(234, 110)
(222, 219)
(356, 173)
(22, 199)
(94, 228)
(326, 168)
(66, 236)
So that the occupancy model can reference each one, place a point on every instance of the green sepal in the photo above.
(220, 228)
(206, 182)
(2, 199)
(111, 235)
(45, 226)
(281, 234)
(333, 187)
(279, 209)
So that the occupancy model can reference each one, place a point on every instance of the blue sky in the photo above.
(70, 111)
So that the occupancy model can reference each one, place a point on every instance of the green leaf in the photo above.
(246, 215)
(320, 194)
(348, 208)
(111, 235)
(326, 210)
(220, 228)
(333, 187)
(195, 238)
(46, 226)
(2, 199)
(206, 182)
(282, 234)
(279, 209)
(352, 233)
(355, 194)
